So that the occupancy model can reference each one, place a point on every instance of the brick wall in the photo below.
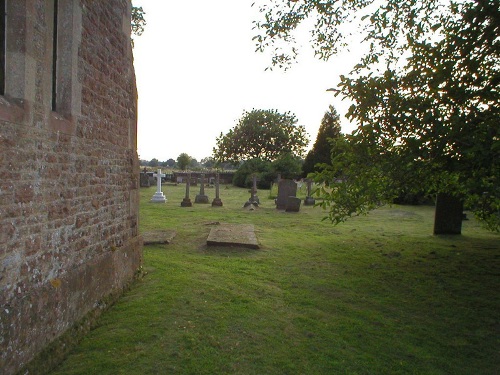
(68, 178)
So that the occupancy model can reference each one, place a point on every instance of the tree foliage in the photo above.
(320, 153)
(138, 20)
(263, 134)
(429, 117)
(183, 161)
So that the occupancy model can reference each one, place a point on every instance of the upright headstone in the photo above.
(217, 201)
(201, 198)
(309, 201)
(144, 179)
(448, 214)
(292, 204)
(158, 197)
(286, 188)
(186, 202)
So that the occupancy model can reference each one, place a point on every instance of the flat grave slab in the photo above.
(242, 235)
(159, 237)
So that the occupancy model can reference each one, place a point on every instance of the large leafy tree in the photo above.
(425, 97)
(320, 153)
(183, 161)
(263, 134)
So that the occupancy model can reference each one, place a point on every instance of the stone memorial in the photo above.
(292, 204)
(201, 198)
(158, 197)
(309, 201)
(254, 199)
(186, 202)
(144, 179)
(286, 188)
(217, 202)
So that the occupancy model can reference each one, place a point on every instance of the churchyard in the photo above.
(376, 295)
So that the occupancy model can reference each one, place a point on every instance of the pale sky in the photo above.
(197, 71)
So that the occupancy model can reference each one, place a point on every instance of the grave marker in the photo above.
(158, 197)
(286, 188)
(217, 201)
(186, 202)
(201, 198)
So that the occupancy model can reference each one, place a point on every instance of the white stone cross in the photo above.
(158, 197)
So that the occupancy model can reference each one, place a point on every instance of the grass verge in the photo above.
(376, 295)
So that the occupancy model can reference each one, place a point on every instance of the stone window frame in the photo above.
(20, 65)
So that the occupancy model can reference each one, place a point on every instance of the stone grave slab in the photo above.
(242, 235)
(159, 237)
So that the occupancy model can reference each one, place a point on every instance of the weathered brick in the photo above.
(68, 181)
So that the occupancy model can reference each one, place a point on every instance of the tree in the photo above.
(153, 163)
(170, 162)
(320, 153)
(263, 134)
(137, 20)
(208, 162)
(183, 161)
(428, 118)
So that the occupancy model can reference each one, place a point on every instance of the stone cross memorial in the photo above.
(186, 202)
(158, 197)
(309, 201)
(217, 202)
(254, 199)
(201, 198)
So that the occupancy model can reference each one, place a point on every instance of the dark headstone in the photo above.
(286, 188)
(144, 180)
(292, 204)
(448, 215)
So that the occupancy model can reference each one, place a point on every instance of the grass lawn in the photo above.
(376, 295)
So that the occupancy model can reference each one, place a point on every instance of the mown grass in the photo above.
(375, 295)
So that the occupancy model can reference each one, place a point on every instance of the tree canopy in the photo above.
(321, 151)
(183, 161)
(263, 134)
(425, 98)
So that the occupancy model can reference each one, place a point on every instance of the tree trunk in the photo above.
(448, 214)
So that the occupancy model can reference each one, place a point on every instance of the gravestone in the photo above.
(158, 197)
(286, 188)
(292, 204)
(201, 198)
(448, 214)
(186, 202)
(254, 199)
(309, 201)
(144, 179)
(238, 235)
(217, 202)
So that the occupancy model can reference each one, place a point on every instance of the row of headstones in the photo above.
(158, 197)
(287, 194)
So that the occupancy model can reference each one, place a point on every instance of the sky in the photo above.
(197, 72)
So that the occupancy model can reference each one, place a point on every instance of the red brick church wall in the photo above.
(68, 169)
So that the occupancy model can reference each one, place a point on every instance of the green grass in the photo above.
(375, 295)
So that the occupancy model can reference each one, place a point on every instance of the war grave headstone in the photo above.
(186, 202)
(158, 197)
(286, 188)
(309, 201)
(201, 198)
(254, 199)
(217, 202)
(241, 235)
